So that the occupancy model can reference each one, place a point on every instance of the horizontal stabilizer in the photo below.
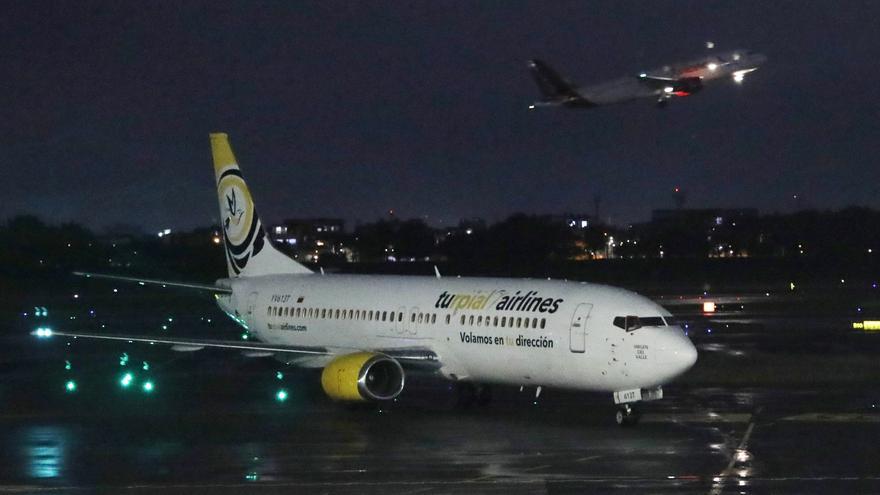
(164, 283)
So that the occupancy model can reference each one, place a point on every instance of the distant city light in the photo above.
(710, 45)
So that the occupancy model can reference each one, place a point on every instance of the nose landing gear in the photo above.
(627, 415)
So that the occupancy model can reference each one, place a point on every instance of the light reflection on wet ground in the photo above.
(212, 426)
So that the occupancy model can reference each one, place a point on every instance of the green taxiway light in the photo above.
(244, 336)
(70, 386)
(281, 396)
(146, 366)
(126, 380)
(279, 375)
(67, 365)
(148, 386)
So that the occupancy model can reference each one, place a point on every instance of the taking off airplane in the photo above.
(663, 84)
(368, 331)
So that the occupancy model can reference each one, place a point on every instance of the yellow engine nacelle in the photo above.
(362, 376)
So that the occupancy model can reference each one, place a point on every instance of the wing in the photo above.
(217, 289)
(415, 356)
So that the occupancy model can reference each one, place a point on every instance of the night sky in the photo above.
(350, 109)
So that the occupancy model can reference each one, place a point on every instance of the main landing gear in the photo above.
(627, 415)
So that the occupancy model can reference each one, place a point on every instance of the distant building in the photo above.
(704, 216)
(310, 239)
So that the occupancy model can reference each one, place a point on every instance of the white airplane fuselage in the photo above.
(484, 330)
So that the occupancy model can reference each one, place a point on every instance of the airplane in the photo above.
(662, 84)
(367, 332)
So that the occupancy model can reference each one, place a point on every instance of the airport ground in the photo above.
(783, 399)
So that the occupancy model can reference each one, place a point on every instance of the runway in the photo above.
(213, 424)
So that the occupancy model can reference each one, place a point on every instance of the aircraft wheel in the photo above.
(466, 395)
(484, 395)
(627, 416)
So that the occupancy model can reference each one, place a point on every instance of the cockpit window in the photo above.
(652, 321)
(630, 323)
(671, 321)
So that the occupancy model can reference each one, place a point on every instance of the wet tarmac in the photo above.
(212, 423)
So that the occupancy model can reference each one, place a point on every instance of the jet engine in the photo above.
(362, 376)
(687, 86)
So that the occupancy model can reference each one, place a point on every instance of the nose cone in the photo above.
(686, 355)
(678, 353)
(758, 59)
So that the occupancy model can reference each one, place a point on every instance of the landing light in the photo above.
(738, 77)
(43, 332)
(709, 307)
(712, 66)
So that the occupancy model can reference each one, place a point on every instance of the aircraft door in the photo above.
(250, 308)
(415, 320)
(578, 329)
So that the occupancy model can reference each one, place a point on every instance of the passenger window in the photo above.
(269, 311)
(479, 320)
(420, 317)
(384, 315)
(433, 318)
(412, 318)
(495, 322)
(543, 323)
(503, 321)
(337, 314)
(462, 319)
(471, 320)
(323, 313)
(447, 319)
(519, 323)
(400, 316)
(525, 322)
